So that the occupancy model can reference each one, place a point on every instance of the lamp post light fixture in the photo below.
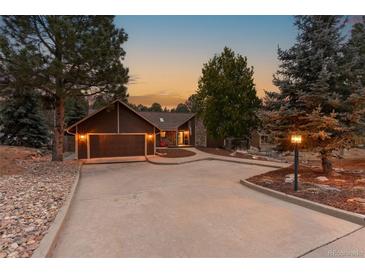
(296, 139)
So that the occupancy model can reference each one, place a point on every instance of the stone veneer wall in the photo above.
(200, 133)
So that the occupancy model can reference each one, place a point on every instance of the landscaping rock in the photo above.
(358, 188)
(327, 188)
(322, 179)
(357, 200)
(289, 178)
(30, 201)
(360, 181)
(312, 190)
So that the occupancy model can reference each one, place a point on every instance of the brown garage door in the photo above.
(116, 145)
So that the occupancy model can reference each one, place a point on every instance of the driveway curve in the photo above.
(192, 210)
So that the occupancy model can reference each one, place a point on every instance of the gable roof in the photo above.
(167, 120)
(96, 112)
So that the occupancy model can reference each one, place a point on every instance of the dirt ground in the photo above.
(10, 157)
(174, 153)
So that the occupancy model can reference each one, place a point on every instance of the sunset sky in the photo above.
(165, 54)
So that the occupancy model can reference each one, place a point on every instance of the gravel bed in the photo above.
(30, 201)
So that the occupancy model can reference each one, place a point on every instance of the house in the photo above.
(117, 130)
(173, 129)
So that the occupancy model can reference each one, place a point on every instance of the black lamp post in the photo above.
(296, 140)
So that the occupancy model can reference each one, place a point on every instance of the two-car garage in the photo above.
(114, 131)
(116, 145)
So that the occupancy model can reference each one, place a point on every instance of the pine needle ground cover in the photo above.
(233, 153)
(343, 189)
(32, 190)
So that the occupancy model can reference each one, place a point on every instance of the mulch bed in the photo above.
(174, 153)
(31, 194)
(228, 153)
(344, 189)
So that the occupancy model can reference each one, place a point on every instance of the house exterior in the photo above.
(173, 129)
(113, 131)
(119, 131)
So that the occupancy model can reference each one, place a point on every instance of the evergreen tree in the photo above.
(227, 96)
(181, 108)
(76, 108)
(354, 61)
(60, 56)
(21, 121)
(155, 107)
(314, 98)
(193, 103)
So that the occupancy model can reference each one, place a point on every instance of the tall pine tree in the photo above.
(21, 121)
(316, 98)
(60, 56)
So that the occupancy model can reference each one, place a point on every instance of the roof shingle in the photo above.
(167, 120)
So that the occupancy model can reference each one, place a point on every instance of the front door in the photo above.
(180, 138)
(183, 138)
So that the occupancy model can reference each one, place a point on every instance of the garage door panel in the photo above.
(116, 145)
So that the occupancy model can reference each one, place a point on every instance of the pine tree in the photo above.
(21, 121)
(226, 96)
(76, 108)
(315, 99)
(155, 107)
(182, 108)
(60, 56)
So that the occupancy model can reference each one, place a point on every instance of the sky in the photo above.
(165, 54)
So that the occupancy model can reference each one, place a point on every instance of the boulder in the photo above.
(322, 178)
(356, 200)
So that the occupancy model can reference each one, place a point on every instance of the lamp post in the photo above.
(296, 139)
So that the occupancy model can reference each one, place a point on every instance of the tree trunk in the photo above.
(57, 153)
(326, 163)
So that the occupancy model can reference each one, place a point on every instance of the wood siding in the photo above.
(106, 121)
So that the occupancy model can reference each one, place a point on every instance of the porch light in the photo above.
(150, 136)
(296, 139)
(82, 137)
(163, 134)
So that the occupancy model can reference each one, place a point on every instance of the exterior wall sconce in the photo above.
(163, 134)
(150, 136)
(296, 139)
(82, 137)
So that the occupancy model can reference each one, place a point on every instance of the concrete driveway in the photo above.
(192, 210)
